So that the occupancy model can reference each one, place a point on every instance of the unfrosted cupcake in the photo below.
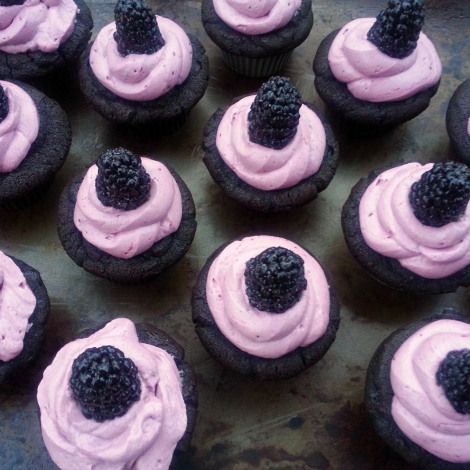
(257, 38)
(120, 398)
(409, 226)
(38, 37)
(144, 69)
(127, 219)
(458, 121)
(418, 392)
(379, 72)
(263, 306)
(270, 151)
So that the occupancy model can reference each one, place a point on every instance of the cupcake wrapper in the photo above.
(256, 67)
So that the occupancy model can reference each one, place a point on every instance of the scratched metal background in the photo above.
(317, 419)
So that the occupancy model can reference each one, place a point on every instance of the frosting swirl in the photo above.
(373, 76)
(253, 18)
(390, 227)
(263, 167)
(19, 129)
(17, 303)
(144, 438)
(260, 333)
(36, 25)
(419, 406)
(125, 234)
(142, 77)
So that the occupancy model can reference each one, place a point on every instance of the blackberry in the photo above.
(4, 105)
(275, 280)
(397, 28)
(274, 114)
(122, 181)
(104, 383)
(9, 3)
(453, 375)
(136, 28)
(442, 194)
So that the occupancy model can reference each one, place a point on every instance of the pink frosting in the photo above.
(468, 126)
(390, 227)
(36, 25)
(261, 333)
(19, 129)
(142, 77)
(265, 168)
(419, 406)
(143, 439)
(372, 75)
(17, 303)
(125, 234)
(256, 17)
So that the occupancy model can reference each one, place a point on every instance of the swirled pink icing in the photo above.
(19, 129)
(468, 126)
(144, 438)
(259, 17)
(390, 227)
(263, 167)
(419, 406)
(125, 234)
(36, 25)
(373, 76)
(260, 333)
(142, 77)
(17, 303)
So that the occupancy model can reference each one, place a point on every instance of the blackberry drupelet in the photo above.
(104, 383)
(122, 181)
(442, 194)
(397, 28)
(4, 105)
(274, 114)
(275, 280)
(453, 376)
(137, 30)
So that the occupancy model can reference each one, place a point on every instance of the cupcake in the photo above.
(35, 138)
(458, 121)
(418, 392)
(270, 151)
(38, 37)
(257, 38)
(409, 226)
(24, 308)
(127, 218)
(264, 307)
(144, 69)
(379, 72)
(120, 398)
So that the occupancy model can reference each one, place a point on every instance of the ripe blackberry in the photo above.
(442, 194)
(396, 29)
(4, 105)
(122, 181)
(274, 114)
(136, 28)
(275, 280)
(453, 376)
(104, 383)
(9, 3)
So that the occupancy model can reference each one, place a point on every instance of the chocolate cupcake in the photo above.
(127, 219)
(264, 307)
(120, 398)
(24, 309)
(418, 392)
(409, 226)
(39, 37)
(377, 73)
(144, 69)
(35, 138)
(270, 151)
(458, 121)
(257, 38)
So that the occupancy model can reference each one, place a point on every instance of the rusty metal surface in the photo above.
(315, 420)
